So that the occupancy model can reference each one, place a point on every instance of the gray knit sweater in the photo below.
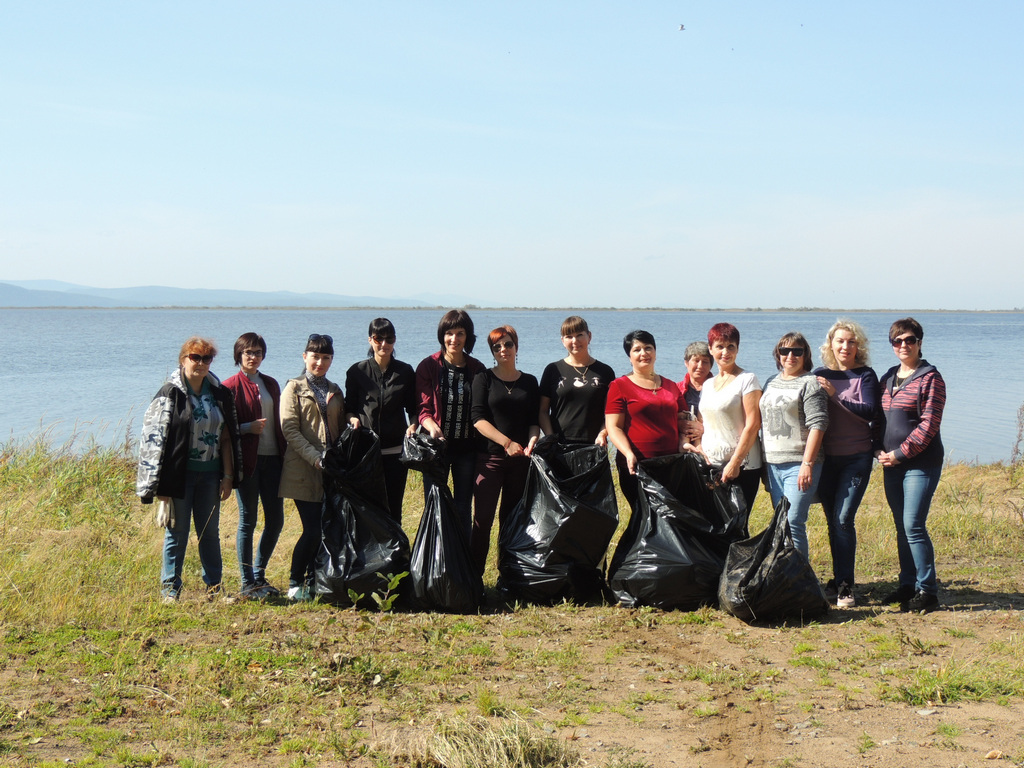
(790, 409)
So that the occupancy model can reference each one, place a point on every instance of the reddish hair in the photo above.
(196, 345)
(724, 332)
(501, 331)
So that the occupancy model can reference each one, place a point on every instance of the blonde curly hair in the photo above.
(829, 358)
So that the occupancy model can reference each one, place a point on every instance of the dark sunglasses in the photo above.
(318, 337)
(196, 358)
(384, 339)
(794, 351)
(908, 340)
(503, 345)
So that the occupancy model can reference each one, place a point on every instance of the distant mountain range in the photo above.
(55, 293)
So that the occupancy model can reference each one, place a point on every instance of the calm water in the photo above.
(94, 371)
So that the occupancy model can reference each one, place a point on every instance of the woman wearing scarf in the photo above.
(311, 408)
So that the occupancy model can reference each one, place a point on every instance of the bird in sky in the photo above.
(682, 28)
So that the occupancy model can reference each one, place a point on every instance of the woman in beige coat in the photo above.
(311, 408)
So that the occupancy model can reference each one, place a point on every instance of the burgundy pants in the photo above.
(495, 474)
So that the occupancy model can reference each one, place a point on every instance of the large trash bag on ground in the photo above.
(767, 578)
(552, 546)
(444, 576)
(360, 538)
(673, 551)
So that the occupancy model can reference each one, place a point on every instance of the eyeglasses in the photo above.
(384, 339)
(318, 337)
(908, 340)
(253, 353)
(205, 359)
(794, 351)
(503, 345)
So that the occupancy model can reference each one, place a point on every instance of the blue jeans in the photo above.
(909, 493)
(782, 481)
(202, 502)
(840, 490)
(262, 486)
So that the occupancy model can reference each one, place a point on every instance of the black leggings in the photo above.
(749, 482)
(304, 554)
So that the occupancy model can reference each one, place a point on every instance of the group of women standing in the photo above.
(809, 434)
(833, 422)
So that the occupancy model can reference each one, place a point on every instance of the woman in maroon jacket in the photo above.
(258, 402)
(913, 398)
(444, 385)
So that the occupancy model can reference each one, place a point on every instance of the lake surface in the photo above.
(92, 372)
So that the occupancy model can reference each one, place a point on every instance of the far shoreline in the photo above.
(482, 308)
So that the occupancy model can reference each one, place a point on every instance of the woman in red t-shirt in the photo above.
(644, 413)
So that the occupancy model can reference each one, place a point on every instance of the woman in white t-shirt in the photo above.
(729, 408)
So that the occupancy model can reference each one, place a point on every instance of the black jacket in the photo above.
(384, 401)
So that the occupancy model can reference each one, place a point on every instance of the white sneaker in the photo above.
(299, 594)
(845, 598)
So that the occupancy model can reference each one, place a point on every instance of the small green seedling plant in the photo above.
(385, 599)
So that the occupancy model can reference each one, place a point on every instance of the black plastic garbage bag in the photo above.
(673, 552)
(552, 546)
(360, 538)
(767, 578)
(444, 577)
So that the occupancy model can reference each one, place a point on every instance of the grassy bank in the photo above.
(96, 670)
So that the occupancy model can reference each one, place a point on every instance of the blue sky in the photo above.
(863, 154)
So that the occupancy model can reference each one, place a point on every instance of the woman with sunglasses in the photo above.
(189, 459)
(854, 421)
(444, 386)
(913, 398)
(380, 394)
(794, 417)
(258, 401)
(574, 389)
(730, 415)
(644, 414)
(506, 403)
(311, 409)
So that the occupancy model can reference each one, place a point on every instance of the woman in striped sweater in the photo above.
(913, 398)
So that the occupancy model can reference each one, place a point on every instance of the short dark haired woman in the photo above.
(444, 387)
(258, 401)
(189, 459)
(913, 399)
(380, 394)
(311, 408)
(644, 414)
